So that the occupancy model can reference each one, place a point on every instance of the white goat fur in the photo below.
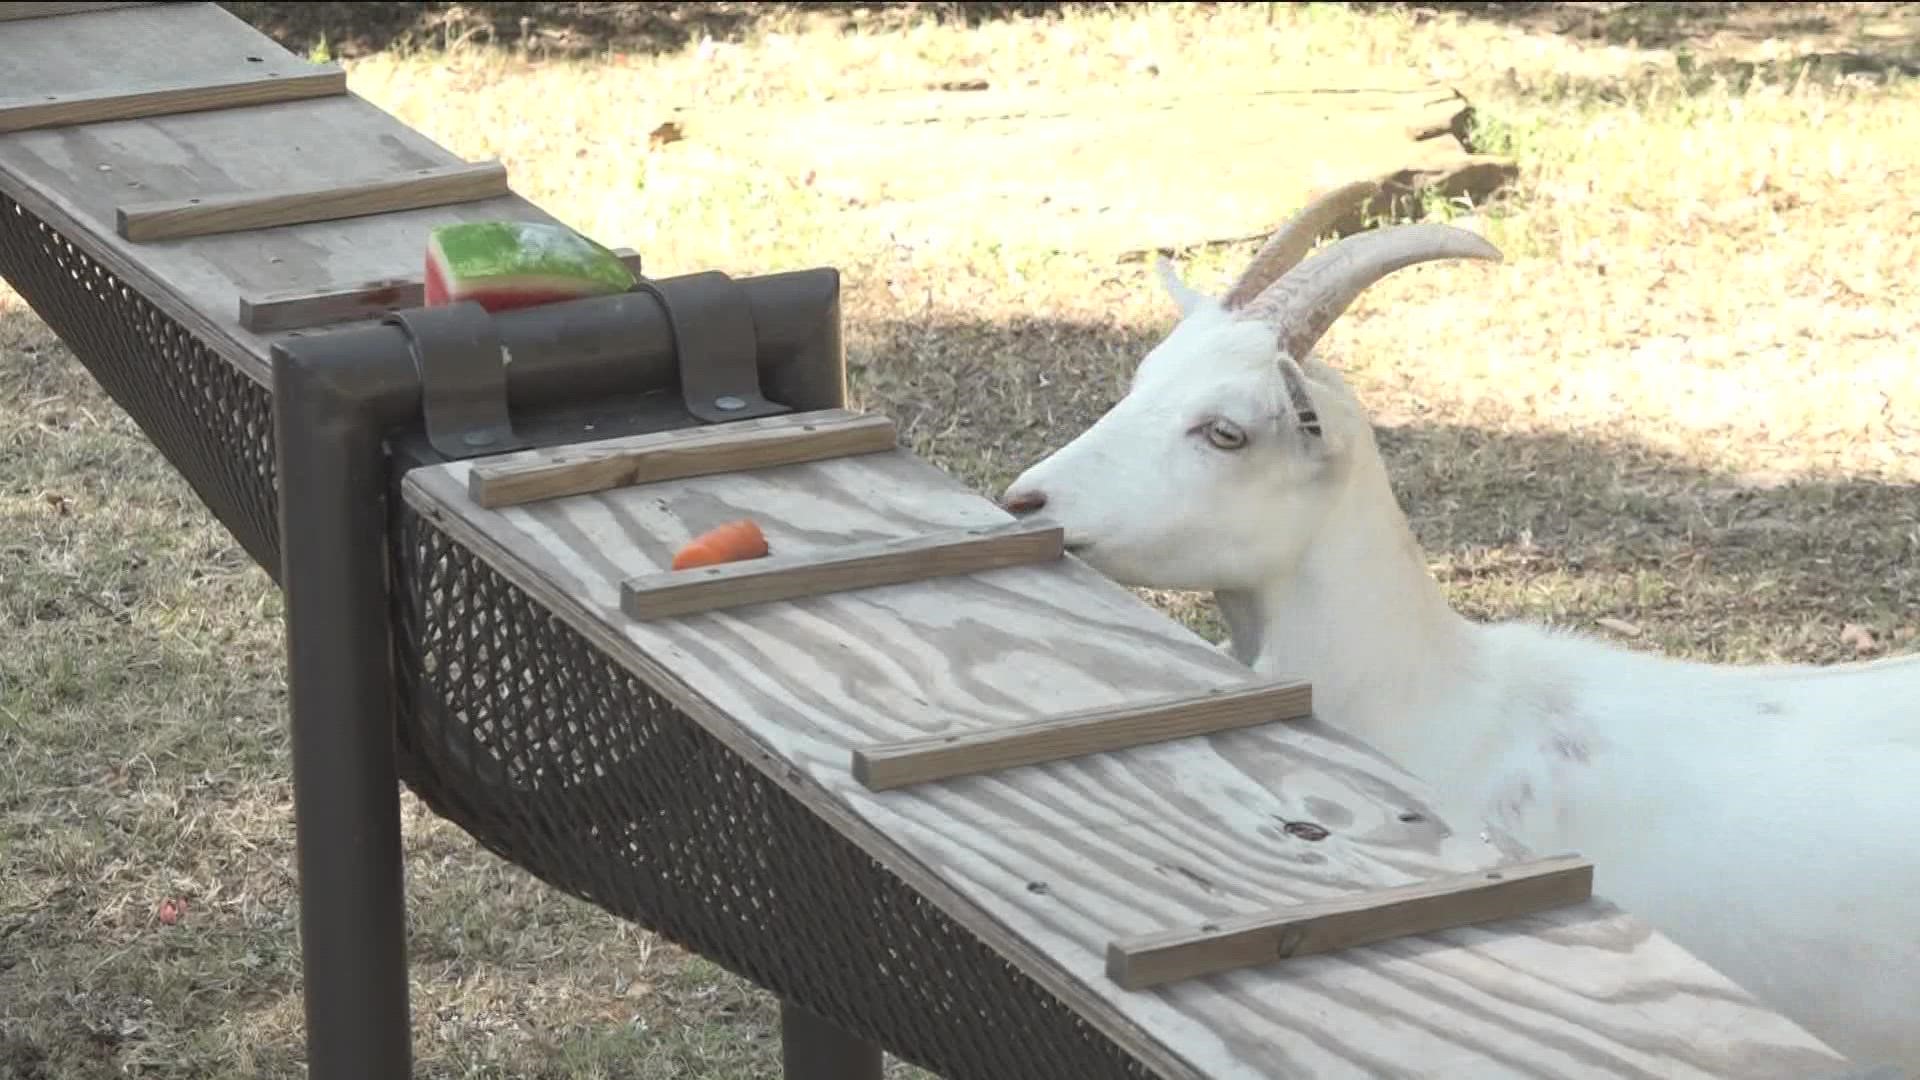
(1762, 817)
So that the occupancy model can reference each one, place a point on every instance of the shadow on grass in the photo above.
(575, 29)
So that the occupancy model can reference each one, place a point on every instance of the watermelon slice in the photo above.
(512, 264)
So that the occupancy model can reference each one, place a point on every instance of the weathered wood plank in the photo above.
(1364, 919)
(943, 757)
(37, 9)
(762, 443)
(301, 309)
(134, 47)
(1050, 864)
(175, 219)
(77, 178)
(66, 110)
(846, 568)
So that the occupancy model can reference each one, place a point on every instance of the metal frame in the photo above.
(344, 403)
(813, 1049)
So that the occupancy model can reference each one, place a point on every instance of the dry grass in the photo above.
(1688, 401)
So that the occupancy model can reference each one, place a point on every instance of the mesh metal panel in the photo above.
(212, 422)
(564, 763)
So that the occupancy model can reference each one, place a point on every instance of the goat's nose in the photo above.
(1026, 502)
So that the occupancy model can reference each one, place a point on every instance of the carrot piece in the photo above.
(731, 542)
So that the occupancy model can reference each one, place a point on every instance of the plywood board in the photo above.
(136, 47)
(77, 177)
(1050, 863)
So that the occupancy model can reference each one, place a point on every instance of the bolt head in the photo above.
(728, 402)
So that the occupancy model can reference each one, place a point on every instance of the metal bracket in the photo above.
(716, 345)
(463, 379)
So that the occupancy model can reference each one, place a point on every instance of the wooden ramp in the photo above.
(982, 764)
(1046, 757)
(91, 142)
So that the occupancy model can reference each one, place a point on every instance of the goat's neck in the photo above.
(1364, 622)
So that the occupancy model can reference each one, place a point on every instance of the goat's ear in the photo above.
(1304, 395)
(1299, 399)
(1185, 296)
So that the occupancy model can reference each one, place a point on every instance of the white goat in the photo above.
(1763, 817)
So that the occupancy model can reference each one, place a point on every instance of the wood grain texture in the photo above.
(301, 309)
(1368, 917)
(175, 219)
(1049, 864)
(56, 110)
(845, 568)
(943, 757)
(37, 9)
(76, 178)
(761, 443)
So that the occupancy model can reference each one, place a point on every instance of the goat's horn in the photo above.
(1294, 239)
(1308, 298)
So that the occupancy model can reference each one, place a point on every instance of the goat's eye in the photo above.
(1225, 435)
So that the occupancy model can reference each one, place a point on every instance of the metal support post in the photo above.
(813, 1049)
(346, 792)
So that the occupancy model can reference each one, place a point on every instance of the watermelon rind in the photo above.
(516, 255)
